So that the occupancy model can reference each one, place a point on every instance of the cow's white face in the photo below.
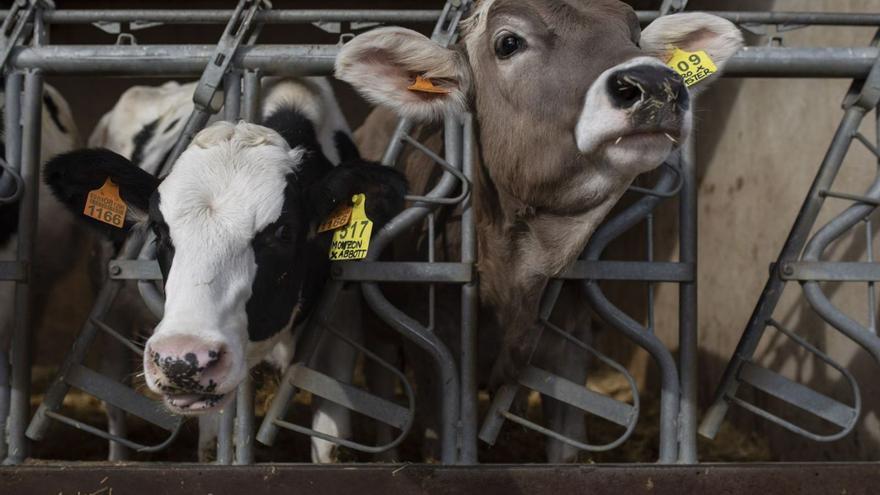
(218, 215)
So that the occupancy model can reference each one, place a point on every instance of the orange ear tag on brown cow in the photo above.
(338, 217)
(105, 205)
(424, 85)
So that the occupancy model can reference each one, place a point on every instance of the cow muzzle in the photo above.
(192, 374)
(634, 114)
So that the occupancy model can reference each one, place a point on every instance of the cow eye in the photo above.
(507, 44)
(284, 233)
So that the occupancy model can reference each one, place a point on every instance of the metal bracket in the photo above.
(207, 100)
(16, 21)
(672, 6)
(831, 410)
(573, 394)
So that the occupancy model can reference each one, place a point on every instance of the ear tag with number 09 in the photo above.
(105, 205)
(692, 66)
(352, 241)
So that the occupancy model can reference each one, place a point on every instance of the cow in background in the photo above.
(572, 101)
(236, 223)
(59, 242)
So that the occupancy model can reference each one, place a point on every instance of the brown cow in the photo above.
(572, 101)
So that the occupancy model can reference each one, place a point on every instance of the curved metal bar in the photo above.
(662, 194)
(814, 250)
(630, 428)
(445, 165)
(409, 327)
(670, 387)
(370, 449)
(18, 182)
(854, 387)
(115, 438)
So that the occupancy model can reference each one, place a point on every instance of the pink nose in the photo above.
(180, 363)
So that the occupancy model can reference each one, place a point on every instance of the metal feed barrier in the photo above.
(236, 64)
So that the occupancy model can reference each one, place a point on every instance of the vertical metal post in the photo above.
(12, 126)
(687, 315)
(226, 433)
(244, 415)
(469, 309)
(19, 399)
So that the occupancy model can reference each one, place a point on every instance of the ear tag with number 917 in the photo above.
(352, 241)
(105, 205)
(692, 66)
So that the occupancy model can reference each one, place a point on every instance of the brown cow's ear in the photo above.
(406, 72)
(691, 32)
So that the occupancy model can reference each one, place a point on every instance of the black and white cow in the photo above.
(59, 241)
(236, 226)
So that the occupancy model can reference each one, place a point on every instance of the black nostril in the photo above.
(624, 90)
(178, 368)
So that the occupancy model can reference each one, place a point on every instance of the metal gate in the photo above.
(236, 64)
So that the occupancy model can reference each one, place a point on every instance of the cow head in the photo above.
(573, 100)
(235, 224)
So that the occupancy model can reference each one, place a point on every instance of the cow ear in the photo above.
(383, 187)
(383, 66)
(73, 175)
(718, 37)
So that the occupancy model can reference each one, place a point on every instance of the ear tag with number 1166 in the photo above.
(352, 241)
(692, 66)
(105, 205)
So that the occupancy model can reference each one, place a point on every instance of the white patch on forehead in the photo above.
(228, 185)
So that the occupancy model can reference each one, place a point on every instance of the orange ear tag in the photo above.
(338, 217)
(105, 205)
(424, 85)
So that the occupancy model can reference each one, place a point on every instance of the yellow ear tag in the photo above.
(105, 205)
(692, 66)
(424, 85)
(338, 217)
(353, 241)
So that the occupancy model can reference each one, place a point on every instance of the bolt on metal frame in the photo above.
(28, 64)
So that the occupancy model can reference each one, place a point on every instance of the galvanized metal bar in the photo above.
(244, 400)
(225, 434)
(410, 328)
(299, 60)
(121, 396)
(12, 131)
(797, 395)
(687, 306)
(350, 397)
(403, 16)
(577, 395)
(795, 242)
(14, 270)
(826, 271)
(469, 308)
(221, 16)
(669, 381)
(654, 271)
(404, 271)
(20, 352)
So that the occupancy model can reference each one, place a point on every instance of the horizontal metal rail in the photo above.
(301, 60)
(204, 16)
